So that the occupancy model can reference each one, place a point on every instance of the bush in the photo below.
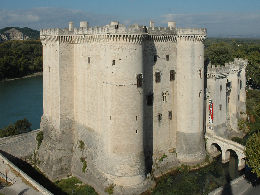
(39, 138)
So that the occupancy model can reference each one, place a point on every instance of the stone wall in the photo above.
(22, 145)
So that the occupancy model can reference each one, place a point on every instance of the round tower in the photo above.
(121, 155)
(190, 143)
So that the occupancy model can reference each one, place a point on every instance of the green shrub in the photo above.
(39, 138)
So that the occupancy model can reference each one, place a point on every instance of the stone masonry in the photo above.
(117, 100)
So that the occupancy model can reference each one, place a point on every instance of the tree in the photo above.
(20, 126)
(252, 153)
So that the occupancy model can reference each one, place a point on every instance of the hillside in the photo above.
(16, 33)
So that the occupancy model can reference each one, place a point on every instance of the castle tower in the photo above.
(190, 96)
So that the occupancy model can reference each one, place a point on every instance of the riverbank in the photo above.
(31, 75)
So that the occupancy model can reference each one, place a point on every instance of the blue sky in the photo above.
(236, 17)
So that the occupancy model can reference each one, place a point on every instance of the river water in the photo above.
(22, 98)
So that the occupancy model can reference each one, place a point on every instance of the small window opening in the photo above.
(167, 58)
(49, 69)
(172, 75)
(164, 95)
(228, 99)
(220, 87)
(157, 77)
(149, 99)
(238, 97)
(237, 81)
(136, 131)
(110, 117)
(139, 79)
(116, 26)
(155, 58)
(200, 93)
(220, 106)
(113, 62)
(159, 116)
(170, 115)
(200, 73)
(240, 84)
(88, 59)
(136, 118)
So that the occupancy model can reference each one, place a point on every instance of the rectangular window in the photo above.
(164, 96)
(237, 81)
(113, 62)
(238, 97)
(170, 115)
(116, 26)
(220, 106)
(159, 116)
(172, 75)
(157, 77)
(240, 84)
(167, 58)
(88, 59)
(200, 74)
(139, 79)
(155, 58)
(228, 99)
(220, 87)
(149, 99)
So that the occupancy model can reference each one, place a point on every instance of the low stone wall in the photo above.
(20, 145)
(25, 176)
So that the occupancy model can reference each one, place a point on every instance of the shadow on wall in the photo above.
(148, 63)
(33, 173)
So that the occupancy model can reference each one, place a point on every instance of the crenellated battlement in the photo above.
(119, 30)
(229, 68)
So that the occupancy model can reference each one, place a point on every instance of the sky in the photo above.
(220, 17)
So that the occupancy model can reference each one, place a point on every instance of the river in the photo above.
(22, 98)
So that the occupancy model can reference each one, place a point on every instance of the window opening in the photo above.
(157, 77)
(220, 106)
(238, 97)
(136, 131)
(170, 115)
(113, 62)
(139, 79)
(220, 87)
(228, 99)
(240, 84)
(164, 94)
(237, 81)
(116, 26)
(155, 58)
(200, 73)
(167, 58)
(149, 99)
(110, 117)
(159, 116)
(88, 59)
(172, 75)
(136, 118)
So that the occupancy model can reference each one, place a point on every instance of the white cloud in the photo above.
(218, 22)
(215, 22)
(47, 17)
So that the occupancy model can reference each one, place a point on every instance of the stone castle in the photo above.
(121, 103)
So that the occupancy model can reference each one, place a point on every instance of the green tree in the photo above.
(252, 153)
(20, 126)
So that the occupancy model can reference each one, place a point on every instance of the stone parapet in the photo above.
(121, 29)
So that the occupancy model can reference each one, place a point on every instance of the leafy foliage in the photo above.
(20, 126)
(74, 186)
(252, 153)
(221, 51)
(33, 34)
(39, 138)
(20, 58)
